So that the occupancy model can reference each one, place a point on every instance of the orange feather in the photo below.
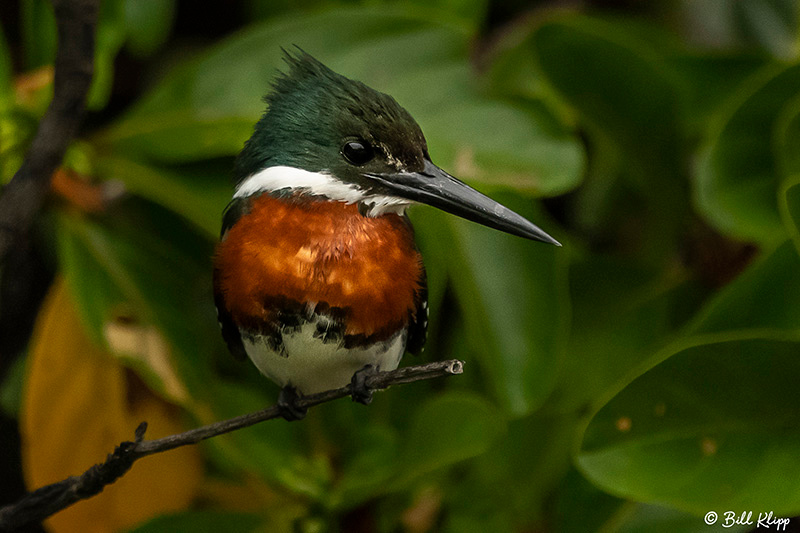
(313, 250)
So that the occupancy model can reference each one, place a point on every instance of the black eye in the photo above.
(358, 152)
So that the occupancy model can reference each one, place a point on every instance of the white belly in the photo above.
(313, 365)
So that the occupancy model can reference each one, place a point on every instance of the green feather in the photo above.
(313, 111)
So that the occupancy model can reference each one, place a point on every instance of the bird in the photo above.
(317, 278)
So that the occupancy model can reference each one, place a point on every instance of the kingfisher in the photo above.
(317, 278)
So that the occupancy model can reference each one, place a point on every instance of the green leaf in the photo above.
(622, 312)
(198, 194)
(446, 429)
(6, 71)
(789, 160)
(738, 177)
(617, 79)
(513, 295)
(273, 450)
(149, 23)
(38, 25)
(766, 296)
(767, 24)
(196, 113)
(144, 264)
(642, 518)
(368, 469)
(109, 38)
(712, 427)
(202, 522)
(790, 208)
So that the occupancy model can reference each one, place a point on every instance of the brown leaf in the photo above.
(78, 404)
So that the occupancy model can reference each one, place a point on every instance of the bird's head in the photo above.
(326, 135)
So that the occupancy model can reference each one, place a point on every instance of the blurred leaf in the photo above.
(369, 468)
(738, 178)
(79, 404)
(643, 518)
(616, 80)
(513, 295)
(622, 312)
(515, 479)
(144, 264)
(710, 79)
(712, 427)
(446, 429)
(273, 450)
(110, 36)
(769, 24)
(11, 388)
(38, 28)
(198, 194)
(6, 72)
(790, 209)
(788, 153)
(197, 113)
(630, 100)
(765, 296)
(149, 23)
(202, 522)
(598, 509)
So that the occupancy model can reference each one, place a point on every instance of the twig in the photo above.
(22, 198)
(41, 503)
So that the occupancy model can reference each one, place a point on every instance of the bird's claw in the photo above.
(358, 384)
(287, 404)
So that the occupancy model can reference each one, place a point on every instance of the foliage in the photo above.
(632, 380)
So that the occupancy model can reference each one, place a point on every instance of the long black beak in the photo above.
(437, 188)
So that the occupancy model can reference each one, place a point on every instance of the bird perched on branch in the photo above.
(317, 278)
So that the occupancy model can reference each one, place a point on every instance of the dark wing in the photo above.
(230, 331)
(236, 209)
(418, 322)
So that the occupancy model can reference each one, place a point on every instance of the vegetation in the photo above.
(642, 375)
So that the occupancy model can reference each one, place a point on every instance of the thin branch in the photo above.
(41, 503)
(22, 198)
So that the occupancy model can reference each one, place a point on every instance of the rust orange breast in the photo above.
(319, 251)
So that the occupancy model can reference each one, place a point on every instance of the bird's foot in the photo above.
(288, 406)
(358, 385)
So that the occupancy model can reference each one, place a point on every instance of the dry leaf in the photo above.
(78, 404)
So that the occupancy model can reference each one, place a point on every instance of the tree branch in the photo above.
(22, 198)
(41, 503)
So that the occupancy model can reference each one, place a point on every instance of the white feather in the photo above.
(312, 365)
(318, 184)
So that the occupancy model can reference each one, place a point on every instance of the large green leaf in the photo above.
(712, 427)
(198, 113)
(738, 177)
(708, 427)
(513, 295)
